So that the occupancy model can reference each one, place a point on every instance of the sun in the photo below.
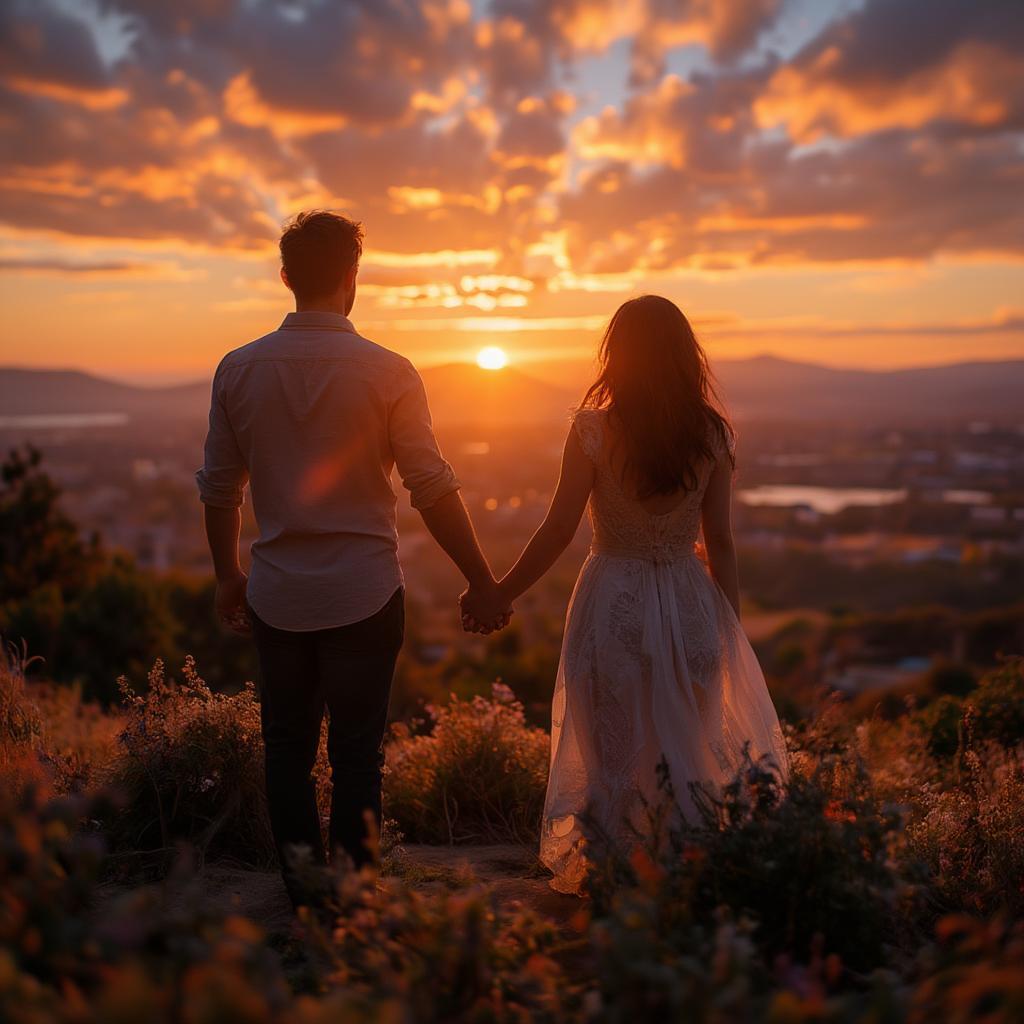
(491, 358)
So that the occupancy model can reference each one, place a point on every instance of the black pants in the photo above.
(348, 670)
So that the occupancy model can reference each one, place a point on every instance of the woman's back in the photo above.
(662, 528)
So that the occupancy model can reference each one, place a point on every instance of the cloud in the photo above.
(524, 41)
(45, 47)
(56, 267)
(904, 65)
(685, 174)
(893, 134)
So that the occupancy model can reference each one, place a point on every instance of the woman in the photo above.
(655, 664)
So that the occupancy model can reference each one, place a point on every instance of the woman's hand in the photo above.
(484, 609)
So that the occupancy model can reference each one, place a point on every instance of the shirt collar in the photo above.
(317, 320)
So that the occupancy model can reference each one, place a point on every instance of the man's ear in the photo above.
(350, 277)
(284, 277)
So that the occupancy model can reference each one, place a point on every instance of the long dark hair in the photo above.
(655, 382)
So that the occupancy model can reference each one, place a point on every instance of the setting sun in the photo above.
(491, 358)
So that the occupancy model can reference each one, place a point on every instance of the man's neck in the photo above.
(323, 306)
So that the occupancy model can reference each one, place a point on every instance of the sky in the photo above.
(836, 181)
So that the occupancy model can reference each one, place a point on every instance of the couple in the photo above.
(654, 662)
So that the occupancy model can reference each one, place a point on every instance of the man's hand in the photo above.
(230, 604)
(484, 610)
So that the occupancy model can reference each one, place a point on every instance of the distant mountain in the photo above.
(462, 394)
(37, 392)
(767, 387)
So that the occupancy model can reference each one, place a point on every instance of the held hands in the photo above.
(484, 609)
(230, 604)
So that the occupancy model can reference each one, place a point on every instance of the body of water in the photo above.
(64, 421)
(826, 500)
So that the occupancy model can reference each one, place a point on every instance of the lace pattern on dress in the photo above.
(654, 664)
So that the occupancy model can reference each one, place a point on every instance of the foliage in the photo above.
(478, 776)
(68, 953)
(441, 956)
(808, 861)
(998, 704)
(190, 767)
(20, 721)
(38, 543)
(68, 956)
(971, 835)
(973, 973)
(89, 616)
(120, 619)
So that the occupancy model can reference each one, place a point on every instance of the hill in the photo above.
(28, 392)
(461, 394)
(766, 387)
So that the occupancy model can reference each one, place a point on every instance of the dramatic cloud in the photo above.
(922, 105)
(904, 65)
(524, 40)
(894, 133)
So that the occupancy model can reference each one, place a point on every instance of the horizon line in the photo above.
(172, 379)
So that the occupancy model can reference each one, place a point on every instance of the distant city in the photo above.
(824, 508)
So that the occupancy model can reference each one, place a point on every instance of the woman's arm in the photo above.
(716, 522)
(575, 482)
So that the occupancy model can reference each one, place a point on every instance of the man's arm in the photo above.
(222, 483)
(434, 491)
(449, 524)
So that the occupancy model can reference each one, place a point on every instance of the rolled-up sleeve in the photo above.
(423, 470)
(224, 474)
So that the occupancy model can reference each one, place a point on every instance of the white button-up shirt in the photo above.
(314, 417)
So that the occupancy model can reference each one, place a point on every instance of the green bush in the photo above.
(942, 722)
(808, 861)
(998, 704)
(478, 776)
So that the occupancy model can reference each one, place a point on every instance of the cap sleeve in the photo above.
(588, 426)
(725, 442)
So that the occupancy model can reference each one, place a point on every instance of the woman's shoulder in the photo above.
(722, 438)
(588, 422)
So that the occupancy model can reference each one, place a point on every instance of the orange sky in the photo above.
(827, 181)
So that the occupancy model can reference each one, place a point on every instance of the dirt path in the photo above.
(512, 872)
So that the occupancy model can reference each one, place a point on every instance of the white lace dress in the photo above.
(654, 664)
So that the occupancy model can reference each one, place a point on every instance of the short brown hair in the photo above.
(318, 247)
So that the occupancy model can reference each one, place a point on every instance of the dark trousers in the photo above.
(348, 671)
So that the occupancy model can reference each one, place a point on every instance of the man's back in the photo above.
(315, 417)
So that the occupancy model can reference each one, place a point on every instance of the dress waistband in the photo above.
(656, 555)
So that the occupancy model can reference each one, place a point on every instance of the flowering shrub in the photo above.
(479, 776)
(782, 903)
(67, 957)
(440, 956)
(806, 861)
(20, 722)
(375, 952)
(190, 767)
(971, 835)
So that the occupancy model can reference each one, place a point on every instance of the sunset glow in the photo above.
(491, 358)
(821, 180)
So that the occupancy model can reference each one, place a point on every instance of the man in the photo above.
(314, 417)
